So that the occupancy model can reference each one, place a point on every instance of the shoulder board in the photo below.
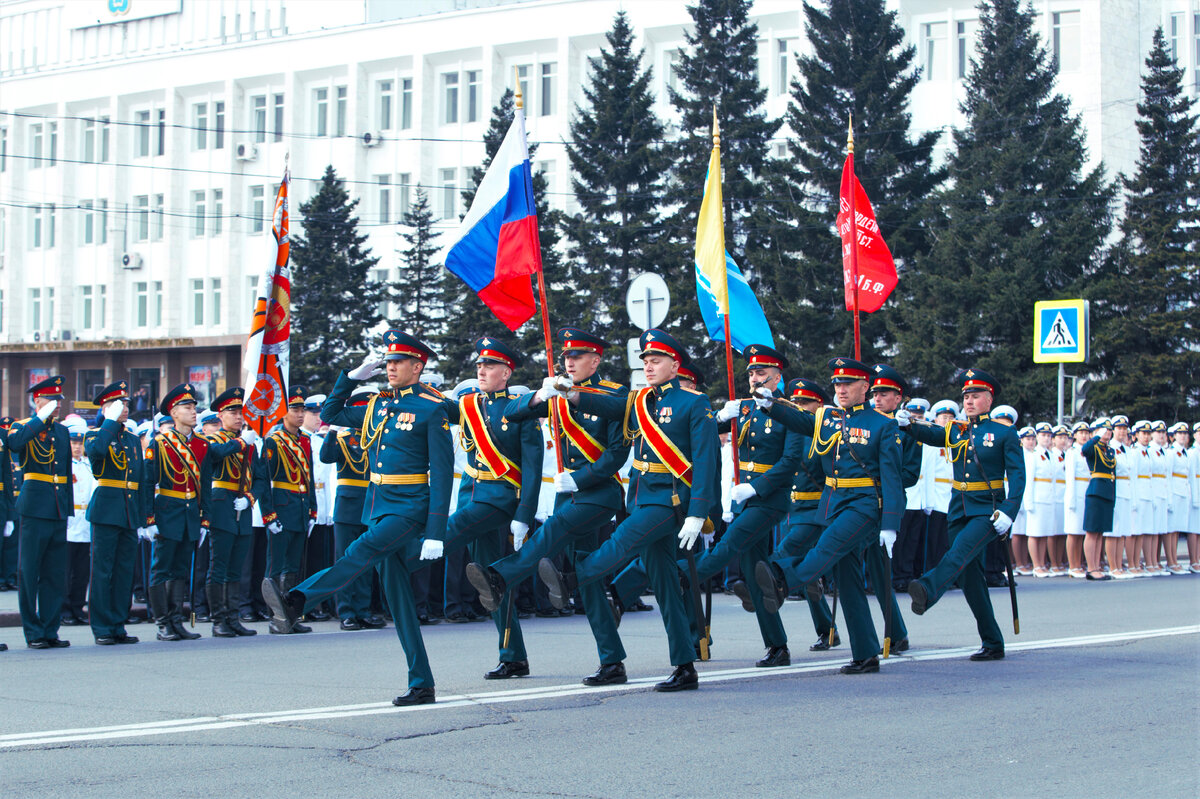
(26, 420)
(439, 399)
(610, 384)
(692, 391)
(431, 390)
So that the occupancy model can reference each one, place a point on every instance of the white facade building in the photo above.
(141, 140)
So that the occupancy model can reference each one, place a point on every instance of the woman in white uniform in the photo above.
(1018, 539)
(1179, 478)
(1078, 475)
(1143, 501)
(1122, 447)
(1039, 497)
(1058, 544)
(1193, 538)
(1161, 489)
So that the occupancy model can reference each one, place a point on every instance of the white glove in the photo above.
(1001, 522)
(763, 398)
(47, 410)
(729, 411)
(727, 517)
(903, 418)
(370, 367)
(8, 530)
(203, 535)
(141, 533)
(151, 532)
(887, 539)
(742, 492)
(249, 436)
(241, 503)
(311, 524)
(690, 531)
(430, 549)
(112, 410)
(275, 527)
(519, 530)
(708, 539)
(564, 483)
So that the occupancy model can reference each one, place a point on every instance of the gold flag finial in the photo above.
(716, 129)
(520, 98)
(850, 135)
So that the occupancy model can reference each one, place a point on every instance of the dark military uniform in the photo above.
(287, 459)
(115, 512)
(47, 500)
(593, 452)
(861, 450)
(1101, 494)
(8, 511)
(984, 453)
(344, 450)
(176, 491)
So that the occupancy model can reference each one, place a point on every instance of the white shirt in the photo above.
(79, 529)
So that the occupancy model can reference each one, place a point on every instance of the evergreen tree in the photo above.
(421, 287)
(619, 170)
(335, 306)
(1020, 221)
(858, 65)
(1146, 305)
(720, 66)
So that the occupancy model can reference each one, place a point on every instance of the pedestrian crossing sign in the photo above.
(1060, 331)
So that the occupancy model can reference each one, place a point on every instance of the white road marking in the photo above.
(233, 720)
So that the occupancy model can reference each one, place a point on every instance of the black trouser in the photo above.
(253, 569)
(908, 555)
(427, 583)
(8, 549)
(199, 597)
(79, 573)
(937, 539)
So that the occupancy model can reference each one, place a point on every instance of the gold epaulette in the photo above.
(692, 390)
(610, 384)
(438, 399)
(432, 390)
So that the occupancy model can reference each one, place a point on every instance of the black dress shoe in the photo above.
(377, 623)
(776, 656)
(546, 613)
(415, 696)
(106, 640)
(488, 582)
(203, 616)
(72, 621)
(122, 638)
(868, 666)
(742, 592)
(823, 644)
(920, 599)
(639, 605)
(900, 646)
(57, 643)
(249, 615)
(457, 618)
(900, 586)
(557, 586)
(301, 628)
(38, 643)
(684, 678)
(351, 624)
(318, 615)
(607, 674)
(503, 671)
(3, 647)
(426, 621)
(988, 654)
(774, 588)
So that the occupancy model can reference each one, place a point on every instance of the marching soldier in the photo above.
(289, 509)
(237, 480)
(984, 454)
(406, 436)
(176, 492)
(862, 463)
(672, 483)
(116, 513)
(588, 496)
(1100, 500)
(79, 531)
(46, 502)
(8, 515)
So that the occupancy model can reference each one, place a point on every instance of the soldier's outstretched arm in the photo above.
(24, 431)
(610, 406)
(521, 408)
(330, 451)
(803, 422)
(935, 435)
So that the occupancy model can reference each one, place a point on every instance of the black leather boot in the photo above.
(287, 582)
(177, 590)
(156, 595)
(228, 592)
(218, 612)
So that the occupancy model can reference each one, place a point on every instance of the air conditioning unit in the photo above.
(131, 260)
(245, 151)
(65, 335)
(371, 138)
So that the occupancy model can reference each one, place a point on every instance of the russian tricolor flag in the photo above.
(496, 248)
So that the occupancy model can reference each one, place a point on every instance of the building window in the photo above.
(963, 56)
(1, 310)
(449, 98)
(162, 131)
(384, 182)
(3, 149)
(158, 303)
(1065, 40)
(258, 114)
(142, 144)
(219, 125)
(218, 210)
(934, 36)
(53, 128)
(385, 91)
(85, 306)
(51, 219)
(50, 308)
(278, 108)
(406, 103)
(321, 108)
(160, 217)
(549, 93)
(198, 213)
(670, 65)
(546, 169)
(200, 125)
(89, 221)
(472, 111)
(522, 86)
(35, 310)
(105, 138)
(1195, 60)
(36, 233)
(102, 316)
(197, 302)
(102, 221)
(380, 276)
(1175, 32)
(405, 192)
(782, 51)
(257, 208)
(343, 98)
(141, 304)
(89, 142)
(35, 145)
(449, 194)
(215, 283)
(141, 220)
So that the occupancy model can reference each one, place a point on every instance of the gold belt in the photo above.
(295, 488)
(995, 485)
(1173, 474)
(801, 496)
(400, 479)
(57, 479)
(124, 485)
(1143, 477)
(1042, 480)
(226, 485)
(353, 483)
(653, 468)
(760, 468)
(1102, 476)
(1122, 477)
(849, 482)
(942, 480)
(166, 492)
(81, 507)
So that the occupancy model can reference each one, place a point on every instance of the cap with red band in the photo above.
(113, 391)
(489, 349)
(847, 370)
(801, 388)
(50, 387)
(660, 342)
(229, 400)
(403, 345)
(760, 355)
(978, 380)
(575, 339)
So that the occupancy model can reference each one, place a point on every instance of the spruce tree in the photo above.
(858, 65)
(335, 304)
(421, 287)
(619, 169)
(1146, 304)
(1020, 221)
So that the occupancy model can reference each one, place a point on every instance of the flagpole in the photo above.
(733, 442)
(541, 284)
(853, 236)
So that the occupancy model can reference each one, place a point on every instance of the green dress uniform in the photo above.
(1101, 494)
(593, 451)
(8, 512)
(406, 436)
(861, 451)
(115, 513)
(176, 492)
(291, 504)
(344, 450)
(46, 501)
(984, 454)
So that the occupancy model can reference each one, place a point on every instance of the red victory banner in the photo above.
(868, 271)
(266, 361)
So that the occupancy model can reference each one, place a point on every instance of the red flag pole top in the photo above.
(853, 235)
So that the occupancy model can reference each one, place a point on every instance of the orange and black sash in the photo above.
(174, 442)
(579, 438)
(471, 411)
(296, 454)
(667, 452)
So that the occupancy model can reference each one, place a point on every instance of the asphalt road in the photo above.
(1099, 696)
